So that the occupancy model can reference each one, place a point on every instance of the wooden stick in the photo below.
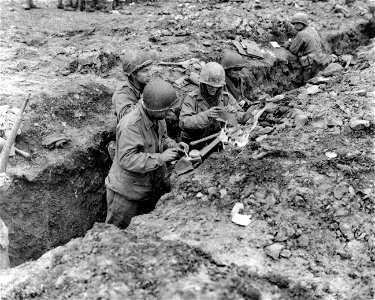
(19, 151)
(4, 156)
(204, 139)
(210, 146)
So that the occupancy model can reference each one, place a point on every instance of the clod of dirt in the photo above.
(332, 69)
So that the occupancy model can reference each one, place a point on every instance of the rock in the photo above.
(319, 79)
(302, 96)
(301, 119)
(355, 249)
(311, 90)
(213, 192)
(286, 253)
(266, 130)
(199, 195)
(354, 80)
(334, 122)
(340, 190)
(284, 233)
(223, 193)
(356, 124)
(332, 69)
(261, 138)
(303, 241)
(274, 250)
(346, 230)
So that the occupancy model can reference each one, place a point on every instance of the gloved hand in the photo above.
(169, 155)
(183, 146)
(214, 112)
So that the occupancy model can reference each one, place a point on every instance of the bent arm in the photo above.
(131, 155)
(189, 118)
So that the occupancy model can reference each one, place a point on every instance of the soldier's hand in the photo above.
(230, 108)
(183, 146)
(214, 112)
(169, 155)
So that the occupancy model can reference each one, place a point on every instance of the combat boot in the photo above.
(89, 6)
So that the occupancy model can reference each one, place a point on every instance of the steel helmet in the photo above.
(159, 95)
(300, 18)
(133, 61)
(232, 60)
(212, 74)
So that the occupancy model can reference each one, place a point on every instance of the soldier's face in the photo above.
(143, 76)
(212, 89)
(234, 73)
(298, 26)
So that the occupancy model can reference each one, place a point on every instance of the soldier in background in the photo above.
(309, 46)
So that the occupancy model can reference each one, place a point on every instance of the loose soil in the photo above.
(317, 211)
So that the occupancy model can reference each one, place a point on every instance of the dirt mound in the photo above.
(112, 264)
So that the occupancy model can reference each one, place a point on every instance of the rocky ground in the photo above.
(306, 176)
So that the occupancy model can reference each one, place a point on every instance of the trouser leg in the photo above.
(120, 210)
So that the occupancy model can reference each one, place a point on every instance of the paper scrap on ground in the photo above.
(239, 219)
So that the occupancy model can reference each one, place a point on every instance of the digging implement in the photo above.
(19, 151)
(207, 138)
(4, 156)
(187, 163)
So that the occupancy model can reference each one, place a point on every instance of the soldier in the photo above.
(309, 46)
(29, 4)
(233, 64)
(137, 178)
(137, 68)
(201, 108)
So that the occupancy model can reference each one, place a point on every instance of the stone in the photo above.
(303, 241)
(261, 138)
(356, 124)
(332, 69)
(346, 230)
(223, 193)
(301, 119)
(199, 195)
(286, 253)
(266, 130)
(340, 190)
(311, 90)
(302, 96)
(274, 250)
(334, 122)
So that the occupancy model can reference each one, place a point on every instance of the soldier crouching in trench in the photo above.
(138, 176)
(309, 46)
(201, 108)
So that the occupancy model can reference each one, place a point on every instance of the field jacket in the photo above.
(309, 47)
(194, 121)
(125, 99)
(138, 172)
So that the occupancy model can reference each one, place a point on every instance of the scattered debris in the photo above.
(274, 250)
(330, 154)
(55, 140)
(237, 218)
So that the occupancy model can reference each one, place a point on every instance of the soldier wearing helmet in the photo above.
(309, 46)
(201, 108)
(233, 64)
(136, 66)
(137, 178)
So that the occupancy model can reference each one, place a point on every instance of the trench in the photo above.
(66, 199)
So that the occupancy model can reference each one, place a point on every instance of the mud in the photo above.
(318, 210)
